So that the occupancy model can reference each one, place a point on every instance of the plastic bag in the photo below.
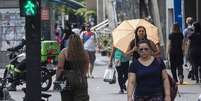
(110, 75)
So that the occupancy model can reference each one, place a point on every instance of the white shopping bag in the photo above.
(110, 75)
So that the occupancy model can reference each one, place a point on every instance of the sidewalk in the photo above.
(102, 91)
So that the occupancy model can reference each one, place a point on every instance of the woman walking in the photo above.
(121, 64)
(147, 78)
(140, 34)
(195, 51)
(176, 50)
(72, 67)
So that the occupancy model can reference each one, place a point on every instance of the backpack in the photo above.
(173, 84)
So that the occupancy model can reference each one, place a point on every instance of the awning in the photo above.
(70, 3)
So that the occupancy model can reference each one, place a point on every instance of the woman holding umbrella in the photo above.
(140, 34)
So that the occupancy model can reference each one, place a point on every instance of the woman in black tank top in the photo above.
(72, 66)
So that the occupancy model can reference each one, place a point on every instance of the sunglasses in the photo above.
(143, 49)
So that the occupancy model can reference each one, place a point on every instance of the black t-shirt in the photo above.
(195, 40)
(148, 78)
(176, 40)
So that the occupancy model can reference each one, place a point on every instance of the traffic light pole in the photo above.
(33, 47)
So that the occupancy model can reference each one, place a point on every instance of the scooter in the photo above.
(15, 72)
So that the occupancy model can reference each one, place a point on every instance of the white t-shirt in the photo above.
(89, 41)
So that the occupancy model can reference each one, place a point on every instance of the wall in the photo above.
(9, 3)
(91, 4)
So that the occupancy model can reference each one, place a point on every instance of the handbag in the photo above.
(110, 75)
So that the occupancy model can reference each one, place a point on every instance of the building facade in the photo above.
(192, 8)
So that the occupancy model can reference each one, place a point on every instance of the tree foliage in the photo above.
(80, 1)
(85, 13)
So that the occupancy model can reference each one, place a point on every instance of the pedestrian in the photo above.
(75, 29)
(195, 48)
(121, 64)
(83, 29)
(176, 50)
(65, 37)
(187, 32)
(140, 34)
(89, 40)
(58, 34)
(147, 78)
(72, 67)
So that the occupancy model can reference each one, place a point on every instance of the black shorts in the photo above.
(92, 56)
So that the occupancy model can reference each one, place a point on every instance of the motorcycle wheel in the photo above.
(6, 78)
(46, 79)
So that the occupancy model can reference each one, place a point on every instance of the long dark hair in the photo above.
(68, 30)
(175, 28)
(196, 27)
(76, 50)
(137, 37)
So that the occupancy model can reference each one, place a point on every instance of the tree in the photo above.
(85, 13)
(80, 1)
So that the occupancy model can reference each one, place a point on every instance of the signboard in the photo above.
(44, 14)
(178, 12)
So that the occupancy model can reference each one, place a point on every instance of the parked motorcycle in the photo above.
(15, 72)
(49, 53)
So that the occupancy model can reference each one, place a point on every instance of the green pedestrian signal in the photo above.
(30, 8)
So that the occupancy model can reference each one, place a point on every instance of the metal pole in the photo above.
(104, 10)
(157, 20)
(33, 75)
(197, 10)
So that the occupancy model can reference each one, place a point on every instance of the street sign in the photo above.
(44, 14)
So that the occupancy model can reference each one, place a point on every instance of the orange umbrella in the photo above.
(124, 33)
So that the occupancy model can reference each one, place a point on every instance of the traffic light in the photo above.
(28, 7)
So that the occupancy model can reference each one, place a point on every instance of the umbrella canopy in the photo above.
(124, 33)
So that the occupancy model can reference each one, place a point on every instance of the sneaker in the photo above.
(92, 76)
(87, 75)
(192, 78)
(181, 79)
(124, 88)
(121, 91)
(197, 81)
